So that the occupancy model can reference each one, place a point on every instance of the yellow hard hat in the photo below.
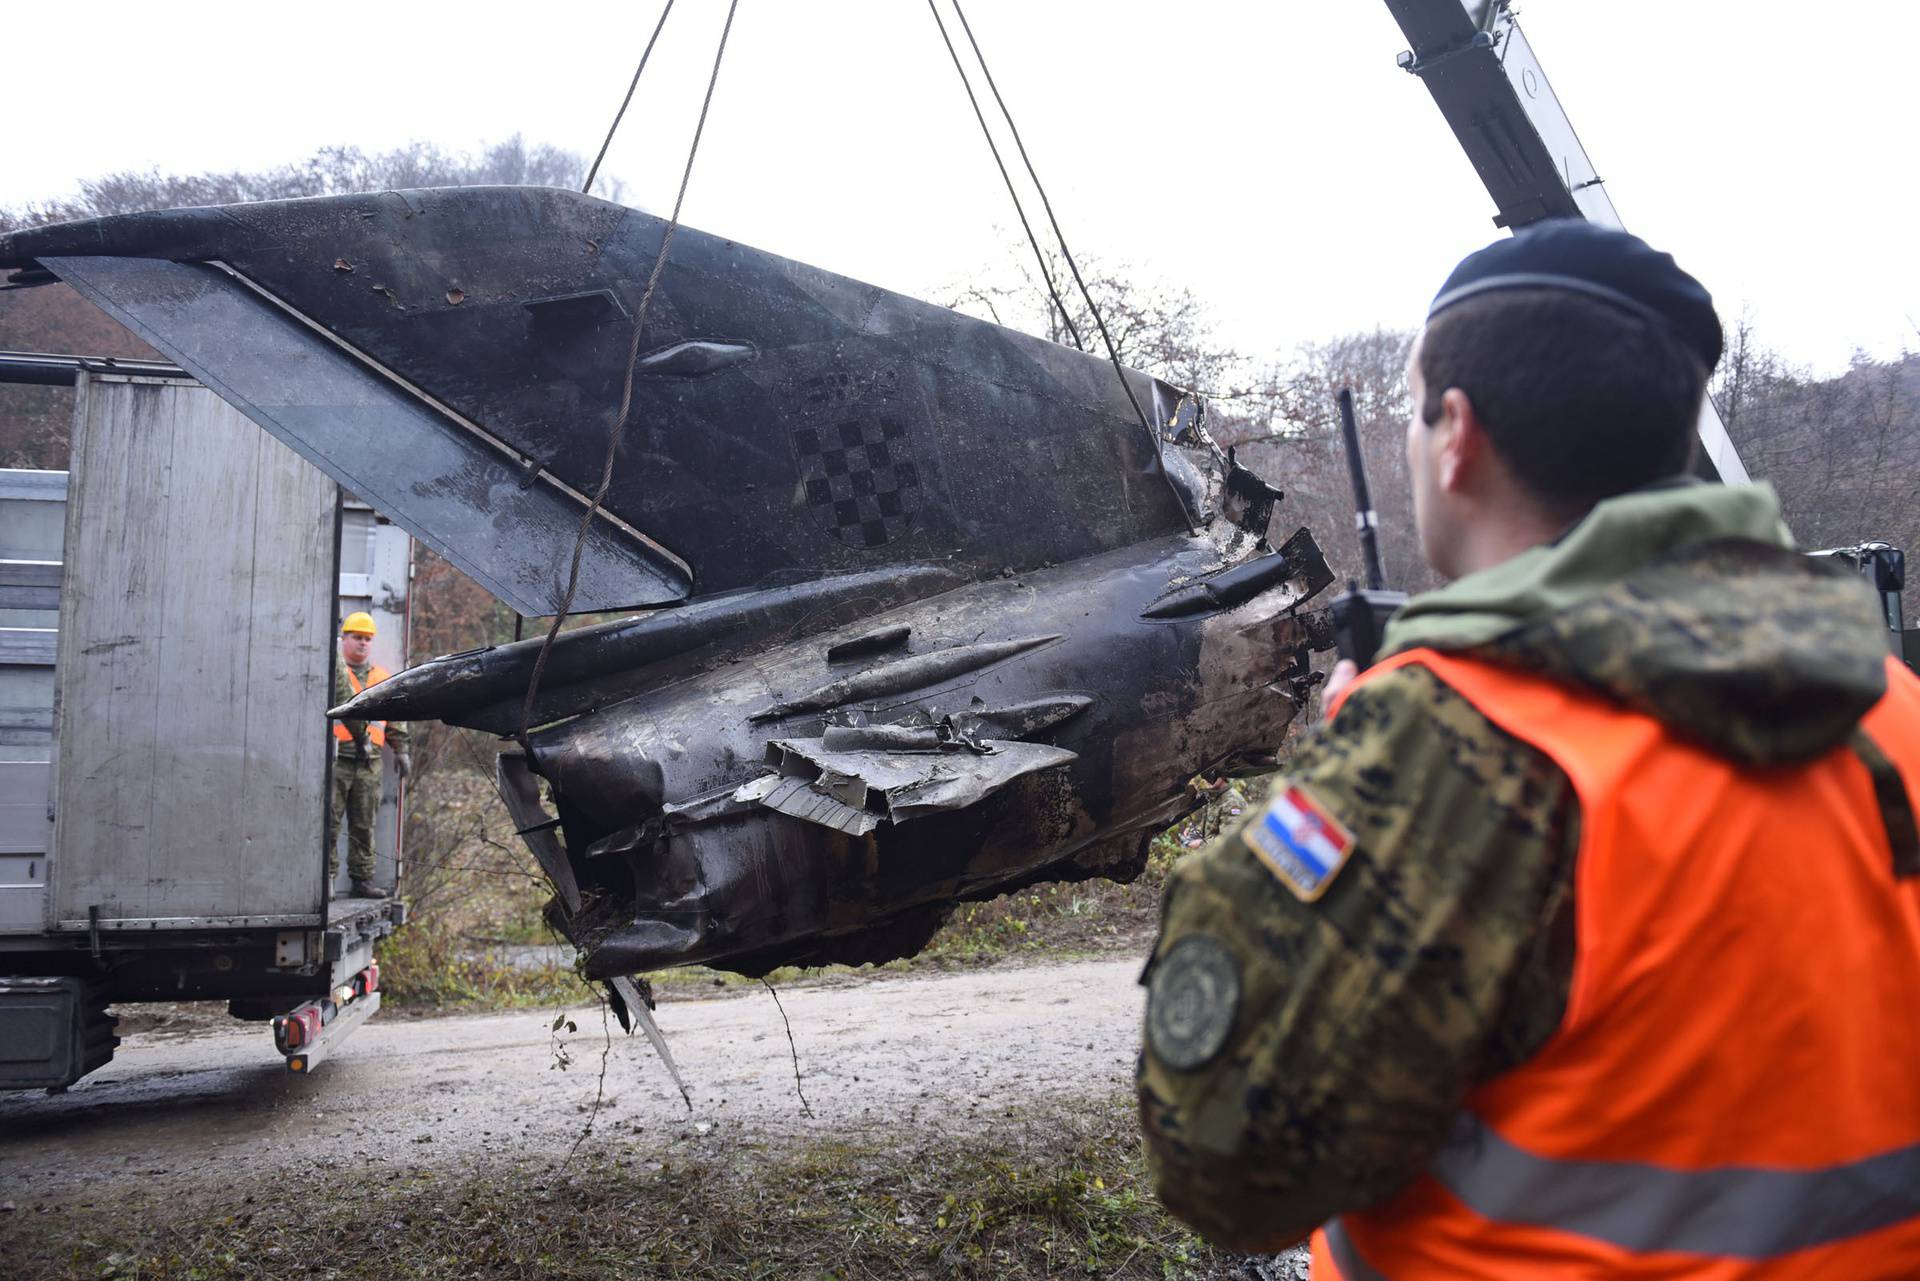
(359, 621)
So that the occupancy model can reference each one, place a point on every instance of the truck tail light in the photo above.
(301, 1027)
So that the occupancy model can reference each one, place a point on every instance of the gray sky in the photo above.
(1269, 156)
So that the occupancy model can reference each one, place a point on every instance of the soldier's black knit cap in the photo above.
(1612, 266)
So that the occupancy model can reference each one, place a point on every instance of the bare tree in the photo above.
(328, 171)
(1160, 329)
(1843, 452)
(1745, 370)
(1298, 447)
(1278, 415)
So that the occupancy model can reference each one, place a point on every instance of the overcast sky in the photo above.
(1269, 156)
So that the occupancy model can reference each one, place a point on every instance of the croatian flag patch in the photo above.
(1299, 842)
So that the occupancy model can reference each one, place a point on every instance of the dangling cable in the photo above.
(621, 114)
(1047, 204)
(1093, 309)
(626, 394)
(1038, 256)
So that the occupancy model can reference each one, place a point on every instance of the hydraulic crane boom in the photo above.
(1484, 77)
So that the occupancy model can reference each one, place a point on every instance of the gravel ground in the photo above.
(192, 1111)
(178, 1109)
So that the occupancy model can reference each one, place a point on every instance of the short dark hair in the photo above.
(1582, 399)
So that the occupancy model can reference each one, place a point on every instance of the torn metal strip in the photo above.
(852, 791)
(638, 1011)
(974, 779)
(798, 798)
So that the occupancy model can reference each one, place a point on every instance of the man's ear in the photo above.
(1460, 441)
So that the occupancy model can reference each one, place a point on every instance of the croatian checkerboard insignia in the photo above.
(1299, 841)
(858, 479)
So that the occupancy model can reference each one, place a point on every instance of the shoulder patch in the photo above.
(1299, 841)
(1193, 999)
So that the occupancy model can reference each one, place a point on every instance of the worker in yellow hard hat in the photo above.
(357, 759)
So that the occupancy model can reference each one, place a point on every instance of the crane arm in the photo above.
(1483, 75)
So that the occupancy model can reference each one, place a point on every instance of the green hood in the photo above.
(1688, 603)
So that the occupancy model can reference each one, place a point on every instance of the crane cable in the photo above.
(626, 389)
(1052, 292)
(619, 428)
(1113, 355)
(594, 169)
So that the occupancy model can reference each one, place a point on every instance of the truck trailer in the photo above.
(168, 613)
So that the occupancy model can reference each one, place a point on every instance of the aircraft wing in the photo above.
(455, 356)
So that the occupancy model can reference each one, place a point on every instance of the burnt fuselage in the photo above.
(656, 795)
(930, 612)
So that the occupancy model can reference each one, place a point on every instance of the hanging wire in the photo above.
(1113, 354)
(792, 1049)
(621, 114)
(626, 394)
(1007, 178)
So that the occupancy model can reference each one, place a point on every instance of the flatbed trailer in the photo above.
(167, 635)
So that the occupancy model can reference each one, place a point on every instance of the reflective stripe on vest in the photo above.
(376, 730)
(1733, 1090)
(1743, 1212)
(1333, 1256)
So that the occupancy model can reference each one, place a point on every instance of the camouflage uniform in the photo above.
(356, 784)
(1307, 1058)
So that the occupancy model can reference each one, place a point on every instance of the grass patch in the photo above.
(1063, 1194)
(426, 965)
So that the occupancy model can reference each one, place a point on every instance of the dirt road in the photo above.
(189, 1114)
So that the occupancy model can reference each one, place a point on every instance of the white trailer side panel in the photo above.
(196, 634)
(376, 575)
(32, 531)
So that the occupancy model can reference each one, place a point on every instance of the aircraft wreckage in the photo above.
(926, 611)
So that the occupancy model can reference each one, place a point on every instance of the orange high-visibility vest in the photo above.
(1734, 1090)
(376, 730)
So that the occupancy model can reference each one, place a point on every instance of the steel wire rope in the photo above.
(792, 1049)
(626, 394)
(1039, 257)
(621, 114)
(1113, 355)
